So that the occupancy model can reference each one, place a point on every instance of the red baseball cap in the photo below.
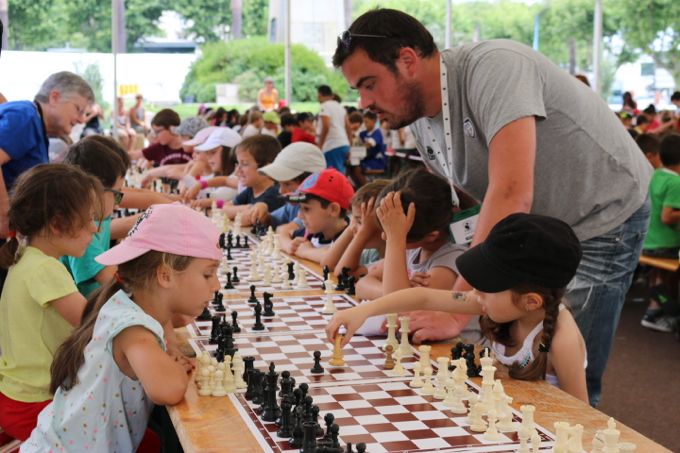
(329, 184)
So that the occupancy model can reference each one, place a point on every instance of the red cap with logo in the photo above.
(331, 185)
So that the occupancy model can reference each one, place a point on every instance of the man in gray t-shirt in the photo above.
(517, 133)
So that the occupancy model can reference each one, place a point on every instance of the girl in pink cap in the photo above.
(108, 374)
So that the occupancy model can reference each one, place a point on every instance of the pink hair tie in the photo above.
(219, 204)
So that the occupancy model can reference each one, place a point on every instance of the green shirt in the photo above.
(85, 268)
(664, 191)
(31, 330)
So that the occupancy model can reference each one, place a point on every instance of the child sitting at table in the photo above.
(372, 139)
(414, 212)
(109, 373)
(54, 211)
(520, 273)
(324, 199)
(361, 244)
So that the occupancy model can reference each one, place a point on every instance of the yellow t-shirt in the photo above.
(31, 330)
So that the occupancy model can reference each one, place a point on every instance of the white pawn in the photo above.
(218, 389)
(276, 276)
(491, 433)
(398, 367)
(458, 407)
(255, 272)
(404, 346)
(228, 379)
(416, 382)
(527, 411)
(477, 423)
(328, 289)
(239, 367)
(535, 442)
(450, 399)
(285, 283)
(428, 388)
(267, 278)
(204, 382)
(329, 307)
(302, 279)
(424, 355)
(524, 436)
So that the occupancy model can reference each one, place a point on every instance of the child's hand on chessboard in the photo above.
(351, 319)
(394, 222)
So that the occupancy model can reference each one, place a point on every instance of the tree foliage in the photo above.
(249, 61)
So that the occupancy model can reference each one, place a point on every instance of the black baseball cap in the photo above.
(522, 249)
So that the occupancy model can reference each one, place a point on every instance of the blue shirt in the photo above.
(23, 138)
(270, 197)
(84, 269)
(285, 214)
(375, 155)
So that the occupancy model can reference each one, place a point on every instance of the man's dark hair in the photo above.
(675, 96)
(304, 116)
(385, 32)
(640, 120)
(648, 143)
(669, 150)
(288, 119)
(324, 90)
(650, 110)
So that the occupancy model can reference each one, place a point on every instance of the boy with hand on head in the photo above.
(324, 200)
(292, 165)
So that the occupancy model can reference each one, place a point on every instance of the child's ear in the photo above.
(532, 301)
(165, 276)
(334, 209)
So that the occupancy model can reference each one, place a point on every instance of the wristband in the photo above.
(219, 204)
(204, 184)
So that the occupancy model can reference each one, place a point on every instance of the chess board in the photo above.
(293, 352)
(388, 417)
(292, 314)
(241, 258)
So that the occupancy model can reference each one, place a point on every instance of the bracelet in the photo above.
(204, 184)
(219, 204)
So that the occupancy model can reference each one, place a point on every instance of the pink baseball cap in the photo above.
(171, 228)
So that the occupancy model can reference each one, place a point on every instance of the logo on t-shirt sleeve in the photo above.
(469, 128)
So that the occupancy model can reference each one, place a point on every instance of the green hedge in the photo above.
(248, 61)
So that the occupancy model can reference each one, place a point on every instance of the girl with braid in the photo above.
(520, 273)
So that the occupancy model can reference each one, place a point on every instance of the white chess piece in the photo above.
(611, 437)
(239, 367)
(416, 382)
(329, 307)
(491, 434)
(302, 279)
(285, 283)
(627, 447)
(328, 289)
(535, 442)
(528, 411)
(561, 437)
(391, 331)
(404, 346)
(450, 399)
(477, 423)
(398, 366)
(229, 383)
(505, 423)
(267, 277)
(428, 388)
(424, 355)
(575, 443)
(524, 436)
(204, 382)
(218, 386)
(441, 378)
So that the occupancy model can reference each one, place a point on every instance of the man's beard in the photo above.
(413, 105)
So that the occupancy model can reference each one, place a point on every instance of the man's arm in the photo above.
(4, 197)
(512, 155)
(325, 127)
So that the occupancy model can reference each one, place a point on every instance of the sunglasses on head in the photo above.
(117, 195)
(345, 38)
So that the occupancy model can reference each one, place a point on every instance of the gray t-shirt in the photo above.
(445, 256)
(588, 172)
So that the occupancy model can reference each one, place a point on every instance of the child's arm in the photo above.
(121, 227)
(568, 355)
(142, 198)
(335, 252)
(364, 232)
(370, 286)
(441, 277)
(402, 301)
(307, 251)
(285, 234)
(139, 356)
(670, 215)
(396, 226)
(231, 210)
(70, 307)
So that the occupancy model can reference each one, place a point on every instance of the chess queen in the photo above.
(519, 273)
(109, 373)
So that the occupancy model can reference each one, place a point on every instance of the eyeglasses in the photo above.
(81, 111)
(117, 195)
(345, 38)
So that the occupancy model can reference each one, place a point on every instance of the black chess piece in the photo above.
(309, 437)
(361, 447)
(226, 340)
(287, 384)
(238, 242)
(328, 419)
(349, 448)
(315, 419)
(257, 378)
(229, 257)
(335, 431)
(230, 240)
(205, 315)
(234, 275)
(326, 273)
(229, 284)
(252, 299)
(221, 241)
(258, 317)
(216, 297)
(457, 351)
(341, 283)
(215, 331)
(246, 245)
(220, 306)
(249, 362)
(291, 270)
(271, 410)
(285, 427)
(234, 323)
(317, 368)
(351, 290)
(304, 388)
(298, 434)
(268, 305)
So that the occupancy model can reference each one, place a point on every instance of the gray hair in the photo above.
(66, 83)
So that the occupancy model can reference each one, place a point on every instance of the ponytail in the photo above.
(8, 252)
(71, 354)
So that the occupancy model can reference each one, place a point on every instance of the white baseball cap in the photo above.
(222, 136)
(200, 136)
(294, 160)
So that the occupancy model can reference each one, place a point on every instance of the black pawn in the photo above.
(328, 419)
(351, 290)
(238, 242)
(230, 238)
(234, 277)
(291, 272)
(234, 323)
(249, 362)
(229, 257)
(268, 305)
(285, 428)
(287, 384)
(326, 273)
(221, 241)
(245, 246)
(257, 377)
(315, 419)
(317, 368)
(341, 283)
(220, 306)
(258, 317)
(309, 437)
(361, 447)
(252, 299)
(205, 316)
(216, 298)
(335, 431)
(228, 285)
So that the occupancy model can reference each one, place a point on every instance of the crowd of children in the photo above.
(86, 333)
